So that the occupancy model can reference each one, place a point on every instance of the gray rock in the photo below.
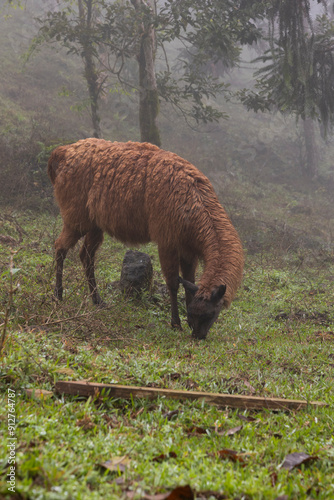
(137, 273)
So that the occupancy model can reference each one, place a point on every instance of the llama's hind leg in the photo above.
(66, 240)
(92, 241)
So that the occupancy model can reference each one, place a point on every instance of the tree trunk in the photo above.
(93, 90)
(310, 165)
(148, 92)
(90, 73)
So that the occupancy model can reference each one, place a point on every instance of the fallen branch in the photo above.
(234, 401)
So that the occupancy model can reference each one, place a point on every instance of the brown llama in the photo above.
(138, 193)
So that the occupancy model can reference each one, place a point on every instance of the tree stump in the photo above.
(137, 273)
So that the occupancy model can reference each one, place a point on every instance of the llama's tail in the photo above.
(56, 157)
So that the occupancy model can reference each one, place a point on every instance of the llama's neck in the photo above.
(223, 258)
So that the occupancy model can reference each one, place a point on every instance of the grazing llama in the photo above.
(137, 192)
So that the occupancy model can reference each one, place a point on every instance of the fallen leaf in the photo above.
(325, 335)
(66, 371)
(179, 493)
(191, 384)
(229, 432)
(86, 423)
(8, 240)
(233, 430)
(273, 478)
(231, 455)
(38, 393)
(112, 421)
(119, 480)
(116, 464)
(295, 459)
(162, 457)
(170, 414)
(158, 496)
(250, 387)
(195, 431)
(69, 346)
(135, 414)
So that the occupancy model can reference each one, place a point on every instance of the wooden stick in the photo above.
(234, 401)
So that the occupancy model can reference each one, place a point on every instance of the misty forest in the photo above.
(212, 377)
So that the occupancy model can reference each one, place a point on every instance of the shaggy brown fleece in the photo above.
(138, 193)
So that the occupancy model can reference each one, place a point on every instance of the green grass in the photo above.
(276, 340)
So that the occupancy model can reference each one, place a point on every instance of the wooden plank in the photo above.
(83, 388)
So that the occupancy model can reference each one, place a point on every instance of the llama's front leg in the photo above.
(188, 268)
(66, 240)
(92, 241)
(173, 289)
(169, 261)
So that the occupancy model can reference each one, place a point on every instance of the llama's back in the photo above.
(134, 191)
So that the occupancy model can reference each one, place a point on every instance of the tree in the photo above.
(297, 76)
(148, 91)
(75, 28)
(135, 29)
(210, 31)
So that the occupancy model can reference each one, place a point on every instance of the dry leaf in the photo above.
(191, 384)
(169, 415)
(112, 421)
(325, 335)
(273, 478)
(86, 423)
(116, 464)
(158, 496)
(231, 455)
(69, 346)
(38, 393)
(233, 430)
(162, 457)
(66, 371)
(195, 431)
(229, 432)
(277, 435)
(295, 459)
(250, 387)
(179, 493)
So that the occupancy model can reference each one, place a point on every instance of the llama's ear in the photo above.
(218, 293)
(188, 286)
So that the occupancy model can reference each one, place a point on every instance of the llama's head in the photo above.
(203, 312)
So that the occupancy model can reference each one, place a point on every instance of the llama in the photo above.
(137, 192)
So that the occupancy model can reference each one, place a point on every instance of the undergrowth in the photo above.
(277, 340)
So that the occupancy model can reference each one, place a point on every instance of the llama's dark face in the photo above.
(202, 313)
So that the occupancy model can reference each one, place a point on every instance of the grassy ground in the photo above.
(276, 340)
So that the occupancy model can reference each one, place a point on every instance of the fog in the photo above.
(256, 161)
